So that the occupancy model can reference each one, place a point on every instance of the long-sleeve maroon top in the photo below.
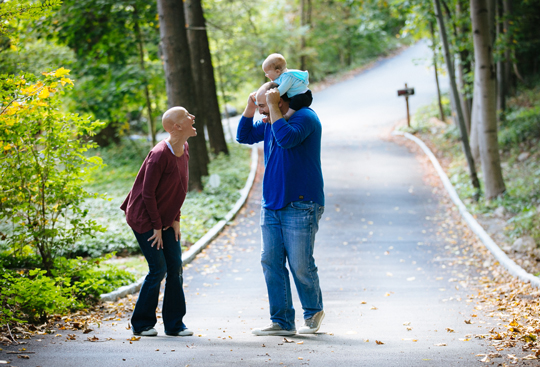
(159, 190)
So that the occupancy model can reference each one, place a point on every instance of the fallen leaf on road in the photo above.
(86, 331)
(366, 340)
(95, 338)
(23, 356)
(134, 338)
(409, 328)
(363, 302)
(406, 323)
(373, 308)
(530, 356)
(71, 337)
(300, 358)
(440, 345)
(285, 340)
(415, 340)
(378, 342)
(450, 330)
(468, 322)
(485, 359)
(300, 343)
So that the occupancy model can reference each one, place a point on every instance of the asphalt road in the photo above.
(383, 268)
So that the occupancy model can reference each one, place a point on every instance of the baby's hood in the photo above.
(300, 74)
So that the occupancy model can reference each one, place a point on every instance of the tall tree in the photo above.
(487, 133)
(434, 46)
(454, 92)
(203, 74)
(179, 78)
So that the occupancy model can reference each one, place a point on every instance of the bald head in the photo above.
(172, 116)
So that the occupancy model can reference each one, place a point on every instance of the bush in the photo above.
(75, 283)
(43, 166)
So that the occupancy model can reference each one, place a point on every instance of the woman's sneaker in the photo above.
(149, 332)
(273, 329)
(312, 325)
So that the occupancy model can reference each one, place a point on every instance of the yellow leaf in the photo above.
(44, 93)
(7, 147)
(65, 81)
(61, 72)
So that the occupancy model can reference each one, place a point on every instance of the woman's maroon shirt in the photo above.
(159, 190)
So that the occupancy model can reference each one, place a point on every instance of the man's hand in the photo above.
(251, 105)
(272, 97)
(157, 239)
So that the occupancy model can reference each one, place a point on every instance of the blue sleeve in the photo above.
(285, 84)
(291, 133)
(249, 132)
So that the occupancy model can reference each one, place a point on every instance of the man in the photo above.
(292, 205)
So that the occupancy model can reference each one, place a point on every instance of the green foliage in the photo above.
(11, 12)
(35, 296)
(43, 166)
(73, 284)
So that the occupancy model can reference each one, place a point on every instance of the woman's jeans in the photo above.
(167, 260)
(289, 234)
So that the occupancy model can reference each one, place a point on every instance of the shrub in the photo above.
(43, 166)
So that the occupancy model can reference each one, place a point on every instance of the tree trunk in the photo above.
(475, 120)
(501, 84)
(305, 20)
(463, 68)
(508, 76)
(140, 43)
(203, 74)
(439, 99)
(487, 133)
(455, 94)
(179, 78)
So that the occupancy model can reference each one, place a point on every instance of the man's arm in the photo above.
(249, 132)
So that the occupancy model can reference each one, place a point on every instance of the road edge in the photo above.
(503, 259)
(205, 240)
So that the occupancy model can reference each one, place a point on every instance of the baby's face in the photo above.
(271, 73)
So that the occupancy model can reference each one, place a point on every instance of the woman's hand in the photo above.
(176, 227)
(157, 239)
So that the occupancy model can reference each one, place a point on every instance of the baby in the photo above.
(292, 82)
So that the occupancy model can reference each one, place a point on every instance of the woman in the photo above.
(153, 212)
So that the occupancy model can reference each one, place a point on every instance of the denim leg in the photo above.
(144, 315)
(275, 273)
(174, 302)
(300, 223)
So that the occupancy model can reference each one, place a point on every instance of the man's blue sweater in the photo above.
(292, 157)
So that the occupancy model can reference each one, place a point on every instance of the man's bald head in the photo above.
(172, 116)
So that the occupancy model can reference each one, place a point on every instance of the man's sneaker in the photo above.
(312, 325)
(185, 332)
(149, 332)
(273, 329)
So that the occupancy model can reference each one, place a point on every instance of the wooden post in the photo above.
(407, 103)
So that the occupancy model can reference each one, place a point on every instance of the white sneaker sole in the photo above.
(306, 330)
(259, 332)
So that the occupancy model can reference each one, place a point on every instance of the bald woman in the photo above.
(153, 212)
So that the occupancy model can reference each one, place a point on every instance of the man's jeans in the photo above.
(167, 260)
(289, 234)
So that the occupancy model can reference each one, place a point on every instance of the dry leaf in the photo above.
(285, 340)
(378, 342)
(450, 330)
(440, 345)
